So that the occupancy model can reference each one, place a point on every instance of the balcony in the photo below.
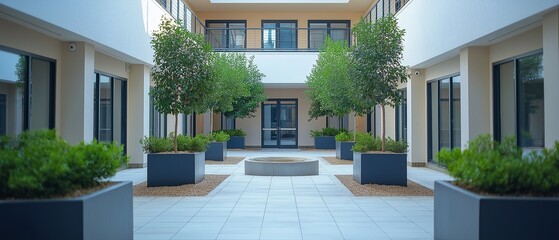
(273, 39)
(384, 8)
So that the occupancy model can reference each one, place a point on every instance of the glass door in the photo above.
(279, 123)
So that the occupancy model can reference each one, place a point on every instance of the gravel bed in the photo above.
(202, 188)
(413, 189)
(227, 161)
(335, 161)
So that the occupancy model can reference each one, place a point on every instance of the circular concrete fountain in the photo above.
(281, 166)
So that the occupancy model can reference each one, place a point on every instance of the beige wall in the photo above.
(526, 42)
(254, 21)
(107, 64)
(252, 126)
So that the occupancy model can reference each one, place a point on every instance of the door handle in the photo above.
(288, 129)
(269, 129)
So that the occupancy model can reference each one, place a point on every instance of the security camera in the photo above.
(416, 73)
(72, 47)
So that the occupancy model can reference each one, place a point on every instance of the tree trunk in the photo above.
(176, 128)
(355, 127)
(383, 128)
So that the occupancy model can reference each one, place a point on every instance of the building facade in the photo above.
(476, 67)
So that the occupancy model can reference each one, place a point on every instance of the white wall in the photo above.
(121, 28)
(440, 28)
(284, 67)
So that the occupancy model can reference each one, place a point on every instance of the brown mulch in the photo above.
(335, 161)
(228, 160)
(413, 189)
(202, 188)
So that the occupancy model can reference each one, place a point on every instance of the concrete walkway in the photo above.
(309, 207)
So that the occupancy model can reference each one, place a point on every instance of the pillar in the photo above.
(138, 113)
(551, 76)
(417, 118)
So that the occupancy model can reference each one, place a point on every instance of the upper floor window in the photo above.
(279, 34)
(338, 30)
(226, 34)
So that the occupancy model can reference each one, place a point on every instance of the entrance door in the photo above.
(279, 123)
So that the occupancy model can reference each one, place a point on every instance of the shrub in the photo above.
(344, 137)
(488, 166)
(234, 132)
(39, 164)
(327, 132)
(157, 145)
(218, 136)
(184, 144)
(365, 142)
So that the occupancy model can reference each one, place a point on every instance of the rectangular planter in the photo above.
(217, 151)
(325, 142)
(236, 142)
(104, 214)
(343, 150)
(170, 169)
(380, 168)
(462, 214)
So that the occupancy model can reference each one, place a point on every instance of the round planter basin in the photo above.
(281, 166)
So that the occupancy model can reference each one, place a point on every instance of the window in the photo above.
(226, 34)
(27, 93)
(279, 34)
(109, 109)
(519, 100)
(402, 118)
(319, 29)
(227, 123)
(338, 122)
(443, 115)
(158, 121)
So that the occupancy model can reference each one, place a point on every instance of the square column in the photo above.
(417, 118)
(551, 76)
(475, 89)
(138, 113)
(76, 92)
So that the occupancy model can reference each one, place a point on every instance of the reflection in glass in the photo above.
(105, 109)
(456, 108)
(13, 69)
(444, 110)
(279, 123)
(530, 101)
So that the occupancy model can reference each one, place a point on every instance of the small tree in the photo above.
(181, 72)
(376, 69)
(229, 71)
(245, 105)
(330, 88)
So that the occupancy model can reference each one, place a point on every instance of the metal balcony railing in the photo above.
(274, 39)
(180, 11)
(385, 7)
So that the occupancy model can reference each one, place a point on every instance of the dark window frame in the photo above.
(278, 38)
(328, 30)
(123, 110)
(278, 145)
(401, 112)
(227, 22)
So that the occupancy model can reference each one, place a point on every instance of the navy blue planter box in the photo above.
(343, 150)
(170, 169)
(325, 142)
(217, 151)
(462, 214)
(104, 214)
(236, 142)
(380, 168)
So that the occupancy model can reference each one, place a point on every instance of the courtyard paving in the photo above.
(308, 207)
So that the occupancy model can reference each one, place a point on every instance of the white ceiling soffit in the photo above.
(280, 5)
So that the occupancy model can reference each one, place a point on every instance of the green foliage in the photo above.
(39, 164)
(229, 72)
(234, 132)
(329, 85)
(344, 137)
(501, 168)
(184, 144)
(181, 72)
(218, 136)
(367, 143)
(245, 105)
(327, 132)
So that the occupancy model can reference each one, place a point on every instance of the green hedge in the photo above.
(234, 132)
(502, 168)
(184, 144)
(40, 164)
(365, 142)
(327, 132)
(218, 136)
(344, 137)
